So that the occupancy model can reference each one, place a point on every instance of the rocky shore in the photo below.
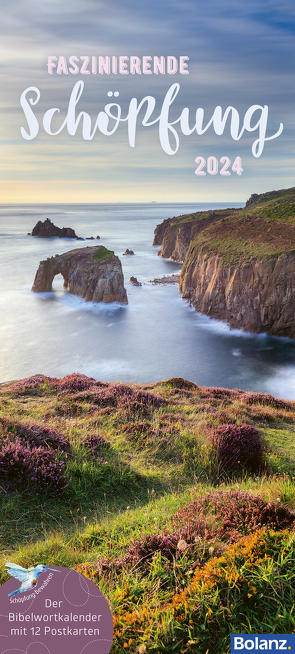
(167, 279)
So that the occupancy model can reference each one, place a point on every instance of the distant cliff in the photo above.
(93, 273)
(239, 264)
(175, 235)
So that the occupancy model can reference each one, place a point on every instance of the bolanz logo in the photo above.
(262, 642)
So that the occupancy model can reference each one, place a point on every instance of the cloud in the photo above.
(240, 54)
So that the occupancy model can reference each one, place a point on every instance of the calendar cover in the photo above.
(147, 230)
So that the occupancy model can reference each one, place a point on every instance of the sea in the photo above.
(156, 336)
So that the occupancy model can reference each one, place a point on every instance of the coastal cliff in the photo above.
(93, 273)
(257, 296)
(175, 235)
(239, 264)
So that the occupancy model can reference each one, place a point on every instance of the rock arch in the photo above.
(93, 273)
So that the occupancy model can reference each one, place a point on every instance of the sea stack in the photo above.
(47, 229)
(93, 273)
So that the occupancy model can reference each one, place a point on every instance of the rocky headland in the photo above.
(238, 264)
(93, 273)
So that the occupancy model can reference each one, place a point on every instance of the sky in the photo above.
(240, 54)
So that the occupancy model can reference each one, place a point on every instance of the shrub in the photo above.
(113, 396)
(140, 404)
(180, 383)
(222, 416)
(75, 382)
(35, 434)
(45, 436)
(220, 393)
(235, 513)
(30, 385)
(98, 393)
(22, 466)
(246, 512)
(94, 442)
(171, 546)
(143, 551)
(238, 445)
(267, 400)
(135, 428)
(96, 446)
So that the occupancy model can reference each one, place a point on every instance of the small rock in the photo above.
(89, 238)
(167, 279)
(128, 251)
(135, 281)
(98, 237)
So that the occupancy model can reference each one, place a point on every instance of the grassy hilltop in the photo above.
(264, 228)
(176, 500)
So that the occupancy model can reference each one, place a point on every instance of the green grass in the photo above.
(102, 253)
(263, 230)
(159, 462)
(239, 239)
